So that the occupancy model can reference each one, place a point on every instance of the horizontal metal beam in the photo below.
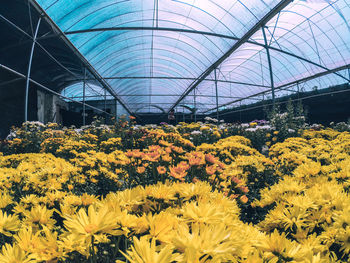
(281, 87)
(22, 76)
(158, 95)
(167, 29)
(173, 78)
(10, 81)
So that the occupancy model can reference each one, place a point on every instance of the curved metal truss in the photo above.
(205, 52)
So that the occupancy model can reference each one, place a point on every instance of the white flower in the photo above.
(251, 129)
(196, 132)
(291, 130)
(245, 125)
(264, 127)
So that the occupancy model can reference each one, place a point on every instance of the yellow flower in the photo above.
(145, 250)
(39, 216)
(13, 254)
(5, 199)
(8, 223)
(94, 223)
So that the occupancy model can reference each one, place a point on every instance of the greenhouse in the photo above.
(164, 131)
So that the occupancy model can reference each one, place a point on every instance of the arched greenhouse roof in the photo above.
(163, 53)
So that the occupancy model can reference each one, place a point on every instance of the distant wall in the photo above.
(42, 106)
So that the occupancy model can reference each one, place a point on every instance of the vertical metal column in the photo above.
(270, 66)
(84, 94)
(298, 90)
(116, 110)
(105, 106)
(195, 105)
(29, 70)
(217, 96)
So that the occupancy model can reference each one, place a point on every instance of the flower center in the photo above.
(90, 228)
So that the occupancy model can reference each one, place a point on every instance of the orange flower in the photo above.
(221, 165)
(154, 148)
(211, 158)
(177, 149)
(132, 117)
(210, 169)
(167, 158)
(168, 150)
(196, 158)
(161, 170)
(140, 169)
(164, 143)
(243, 199)
(152, 156)
(129, 154)
(184, 165)
(178, 172)
(244, 189)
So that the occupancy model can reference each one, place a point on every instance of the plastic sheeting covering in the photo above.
(151, 51)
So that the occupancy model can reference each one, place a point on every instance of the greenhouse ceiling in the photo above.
(163, 53)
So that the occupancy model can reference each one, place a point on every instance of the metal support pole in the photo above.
(195, 105)
(116, 110)
(105, 106)
(298, 90)
(217, 96)
(270, 67)
(29, 70)
(84, 99)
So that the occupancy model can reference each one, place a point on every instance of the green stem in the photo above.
(92, 252)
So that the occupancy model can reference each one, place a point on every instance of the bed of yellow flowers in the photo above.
(156, 194)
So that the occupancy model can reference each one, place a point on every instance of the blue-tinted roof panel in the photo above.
(151, 49)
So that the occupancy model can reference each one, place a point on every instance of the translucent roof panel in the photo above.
(150, 52)
(92, 91)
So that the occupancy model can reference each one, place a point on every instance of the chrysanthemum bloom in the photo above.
(167, 158)
(210, 170)
(243, 199)
(8, 224)
(196, 158)
(13, 254)
(177, 149)
(140, 169)
(178, 172)
(211, 158)
(95, 223)
(161, 169)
